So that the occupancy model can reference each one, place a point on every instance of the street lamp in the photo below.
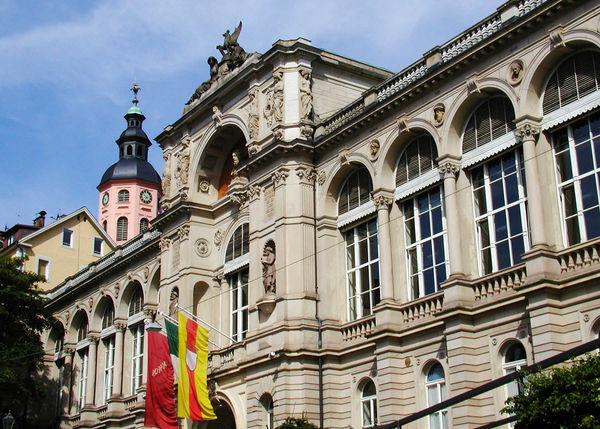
(8, 421)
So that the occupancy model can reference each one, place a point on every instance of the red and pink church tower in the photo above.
(130, 189)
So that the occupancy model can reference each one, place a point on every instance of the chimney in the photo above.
(40, 220)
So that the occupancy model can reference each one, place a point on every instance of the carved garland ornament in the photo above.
(218, 238)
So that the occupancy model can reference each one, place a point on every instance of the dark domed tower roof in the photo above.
(133, 150)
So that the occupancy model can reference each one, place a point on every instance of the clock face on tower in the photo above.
(145, 196)
(105, 198)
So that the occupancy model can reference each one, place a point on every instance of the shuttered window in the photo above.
(356, 191)
(576, 77)
(418, 158)
(122, 229)
(238, 244)
(491, 120)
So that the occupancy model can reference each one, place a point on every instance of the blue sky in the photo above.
(66, 68)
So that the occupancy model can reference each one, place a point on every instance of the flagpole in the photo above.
(193, 316)
(175, 322)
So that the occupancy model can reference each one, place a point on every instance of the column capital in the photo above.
(383, 199)
(528, 127)
(120, 325)
(69, 349)
(449, 166)
(93, 337)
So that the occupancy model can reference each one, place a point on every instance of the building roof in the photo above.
(131, 168)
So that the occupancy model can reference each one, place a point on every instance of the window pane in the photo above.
(589, 192)
(497, 191)
(517, 248)
(429, 281)
(514, 219)
(585, 162)
(427, 254)
(500, 226)
(592, 223)
(502, 251)
(512, 188)
(563, 164)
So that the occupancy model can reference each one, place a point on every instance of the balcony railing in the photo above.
(499, 282)
(359, 328)
(422, 307)
(579, 257)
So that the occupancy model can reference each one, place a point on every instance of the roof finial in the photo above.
(135, 88)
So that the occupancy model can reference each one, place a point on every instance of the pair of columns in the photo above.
(528, 130)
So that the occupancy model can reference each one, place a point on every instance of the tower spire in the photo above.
(135, 88)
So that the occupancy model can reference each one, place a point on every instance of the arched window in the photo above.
(123, 196)
(491, 120)
(368, 405)
(356, 191)
(418, 158)
(267, 403)
(136, 302)
(129, 150)
(515, 359)
(237, 278)
(435, 385)
(82, 331)
(362, 248)
(424, 220)
(574, 78)
(238, 244)
(104, 224)
(122, 229)
(108, 316)
(144, 224)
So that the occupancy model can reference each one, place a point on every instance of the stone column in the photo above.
(91, 370)
(449, 169)
(383, 200)
(65, 406)
(528, 130)
(118, 369)
(149, 316)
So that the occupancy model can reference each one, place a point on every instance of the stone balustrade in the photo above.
(422, 307)
(579, 257)
(499, 282)
(359, 328)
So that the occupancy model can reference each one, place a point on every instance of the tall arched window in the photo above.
(137, 339)
(362, 247)
(491, 120)
(122, 229)
(424, 219)
(573, 79)
(368, 405)
(267, 403)
(82, 361)
(500, 201)
(515, 359)
(236, 264)
(123, 196)
(108, 341)
(435, 385)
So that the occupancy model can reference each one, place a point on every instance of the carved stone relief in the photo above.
(203, 185)
(253, 119)
(217, 117)
(183, 162)
(173, 302)
(218, 238)
(280, 176)
(374, 149)
(402, 122)
(166, 179)
(321, 177)
(202, 247)
(473, 85)
(515, 72)
(306, 98)
(439, 110)
(273, 111)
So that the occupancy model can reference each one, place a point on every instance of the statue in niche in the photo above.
(274, 108)
(268, 262)
(183, 164)
(173, 302)
(253, 120)
(306, 99)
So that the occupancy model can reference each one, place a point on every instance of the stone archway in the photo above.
(225, 417)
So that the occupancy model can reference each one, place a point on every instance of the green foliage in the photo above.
(297, 423)
(566, 397)
(23, 317)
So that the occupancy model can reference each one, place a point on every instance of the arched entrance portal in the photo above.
(225, 418)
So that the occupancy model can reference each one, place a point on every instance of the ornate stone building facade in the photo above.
(362, 244)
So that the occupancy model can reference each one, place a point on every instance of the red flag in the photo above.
(160, 395)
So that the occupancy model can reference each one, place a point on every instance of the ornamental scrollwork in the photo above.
(280, 176)
(382, 201)
(218, 238)
(449, 169)
(183, 232)
(164, 243)
(307, 173)
(528, 132)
